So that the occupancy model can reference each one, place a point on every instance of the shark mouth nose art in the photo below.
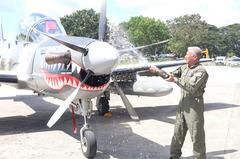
(57, 76)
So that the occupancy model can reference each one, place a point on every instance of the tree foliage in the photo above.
(145, 30)
(231, 38)
(213, 41)
(187, 30)
(223, 41)
(82, 23)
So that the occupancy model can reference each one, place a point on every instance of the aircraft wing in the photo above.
(122, 69)
(8, 77)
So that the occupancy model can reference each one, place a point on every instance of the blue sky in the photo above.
(216, 12)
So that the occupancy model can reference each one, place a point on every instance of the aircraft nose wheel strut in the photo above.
(88, 140)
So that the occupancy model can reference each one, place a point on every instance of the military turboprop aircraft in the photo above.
(76, 70)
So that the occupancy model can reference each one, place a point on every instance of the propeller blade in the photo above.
(140, 47)
(63, 107)
(67, 44)
(102, 21)
(127, 103)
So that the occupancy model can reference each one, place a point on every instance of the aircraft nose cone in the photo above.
(101, 58)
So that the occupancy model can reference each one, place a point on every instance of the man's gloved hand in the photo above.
(161, 73)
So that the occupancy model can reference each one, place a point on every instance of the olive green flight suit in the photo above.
(189, 116)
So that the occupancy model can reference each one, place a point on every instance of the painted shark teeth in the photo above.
(58, 81)
(75, 67)
(59, 67)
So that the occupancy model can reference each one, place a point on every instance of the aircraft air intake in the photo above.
(94, 80)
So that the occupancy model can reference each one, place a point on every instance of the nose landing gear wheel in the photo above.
(89, 144)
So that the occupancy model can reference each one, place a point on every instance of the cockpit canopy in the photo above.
(30, 27)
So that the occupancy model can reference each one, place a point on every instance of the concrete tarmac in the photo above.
(24, 134)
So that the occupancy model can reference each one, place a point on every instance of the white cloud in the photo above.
(7, 6)
(222, 13)
(216, 12)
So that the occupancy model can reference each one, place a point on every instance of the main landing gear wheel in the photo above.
(103, 106)
(89, 144)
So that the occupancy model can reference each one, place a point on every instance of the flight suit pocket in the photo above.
(198, 102)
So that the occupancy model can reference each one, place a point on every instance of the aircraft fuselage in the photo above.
(59, 79)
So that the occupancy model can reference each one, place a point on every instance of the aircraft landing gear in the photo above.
(103, 106)
(88, 142)
(87, 137)
(102, 103)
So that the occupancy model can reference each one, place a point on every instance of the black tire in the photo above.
(103, 106)
(89, 144)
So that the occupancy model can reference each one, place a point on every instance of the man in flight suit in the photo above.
(192, 79)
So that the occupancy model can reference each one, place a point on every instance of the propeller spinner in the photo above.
(101, 58)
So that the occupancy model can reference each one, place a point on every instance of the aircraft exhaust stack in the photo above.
(64, 58)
